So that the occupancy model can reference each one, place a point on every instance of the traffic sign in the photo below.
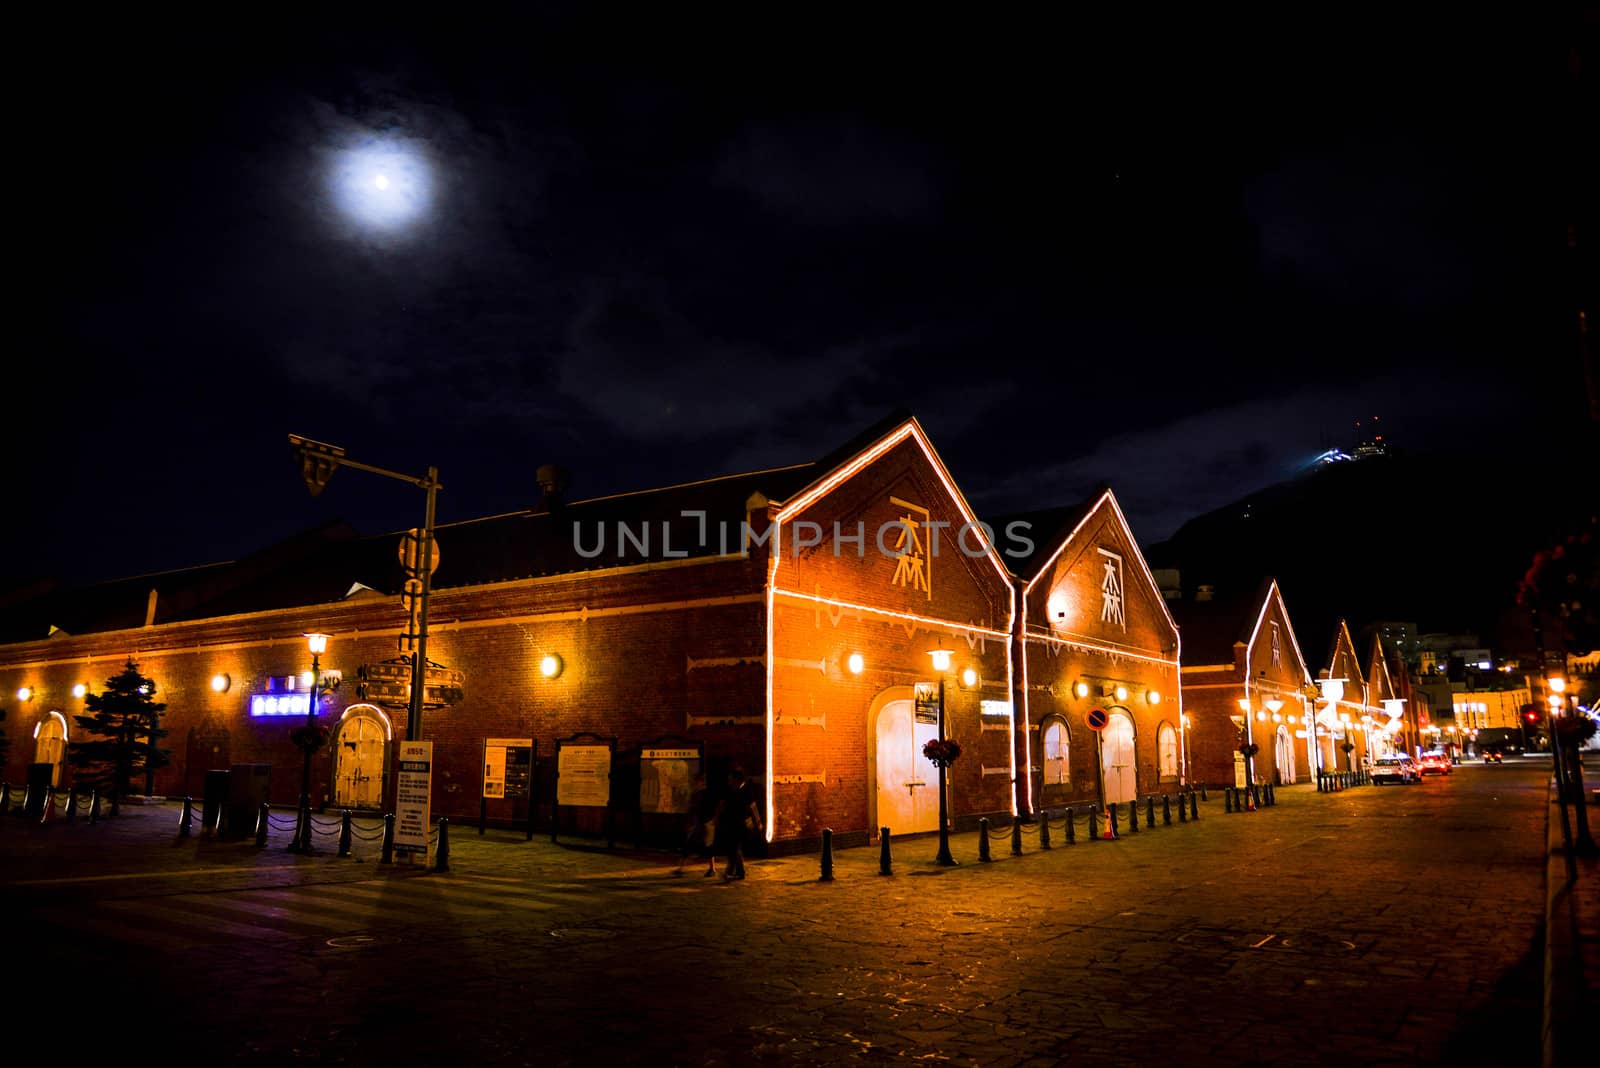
(1097, 719)
(411, 551)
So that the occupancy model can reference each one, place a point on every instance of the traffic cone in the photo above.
(1250, 798)
(1111, 823)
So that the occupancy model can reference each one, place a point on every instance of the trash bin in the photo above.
(247, 792)
(215, 797)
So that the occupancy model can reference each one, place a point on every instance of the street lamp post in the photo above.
(941, 664)
(318, 461)
(318, 644)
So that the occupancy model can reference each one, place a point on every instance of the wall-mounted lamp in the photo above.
(1244, 704)
(1273, 704)
(1261, 716)
(220, 683)
(25, 693)
(856, 663)
(969, 678)
(79, 690)
(550, 666)
(1122, 693)
(1153, 696)
(941, 658)
(1080, 688)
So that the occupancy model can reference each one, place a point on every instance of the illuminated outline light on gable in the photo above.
(56, 715)
(912, 429)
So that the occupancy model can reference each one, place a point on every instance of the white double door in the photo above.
(908, 782)
(1116, 760)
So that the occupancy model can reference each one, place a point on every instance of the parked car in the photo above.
(1493, 756)
(1394, 769)
(1435, 763)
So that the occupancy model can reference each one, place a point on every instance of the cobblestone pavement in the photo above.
(1389, 925)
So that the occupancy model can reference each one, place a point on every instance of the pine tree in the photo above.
(125, 720)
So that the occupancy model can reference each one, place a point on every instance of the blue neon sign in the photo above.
(289, 704)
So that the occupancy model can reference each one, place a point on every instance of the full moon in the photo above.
(383, 185)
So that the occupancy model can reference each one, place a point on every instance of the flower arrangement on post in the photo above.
(1249, 749)
(941, 752)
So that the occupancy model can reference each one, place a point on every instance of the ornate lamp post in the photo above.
(943, 753)
(309, 736)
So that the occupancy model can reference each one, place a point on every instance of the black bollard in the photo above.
(49, 806)
(1111, 822)
(72, 805)
(1203, 796)
(1094, 825)
(1183, 810)
(1133, 816)
(983, 840)
(5, 799)
(1194, 806)
(1044, 829)
(1072, 834)
(1150, 811)
(94, 806)
(186, 821)
(263, 814)
(345, 833)
(1016, 838)
(1166, 810)
(827, 856)
(387, 856)
(885, 865)
(1227, 799)
(441, 852)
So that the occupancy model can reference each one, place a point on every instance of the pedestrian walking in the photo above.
(700, 838)
(737, 817)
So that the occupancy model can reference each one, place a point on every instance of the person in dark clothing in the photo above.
(737, 816)
(700, 837)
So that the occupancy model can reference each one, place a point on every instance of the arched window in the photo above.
(1055, 753)
(1167, 751)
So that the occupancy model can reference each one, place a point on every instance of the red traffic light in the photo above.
(1531, 717)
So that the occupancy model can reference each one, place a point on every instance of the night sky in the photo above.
(1179, 257)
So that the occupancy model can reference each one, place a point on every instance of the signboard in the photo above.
(1097, 718)
(389, 684)
(927, 702)
(583, 775)
(666, 778)
(281, 704)
(1240, 774)
(413, 798)
(506, 766)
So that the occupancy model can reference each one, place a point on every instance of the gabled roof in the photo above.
(1047, 528)
(1212, 628)
(323, 566)
(1333, 651)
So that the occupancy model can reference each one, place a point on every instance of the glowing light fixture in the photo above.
(941, 658)
(1273, 704)
(317, 644)
(550, 666)
(857, 663)
(1153, 696)
(1261, 716)
(25, 693)
(220, 683)
(1081, 688)
(1122, 693)
(1557, 684)
(1244, 704)
(969, 678)
(305, 679)
(79, 690)
(1277, 718)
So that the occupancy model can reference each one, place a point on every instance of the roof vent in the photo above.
(553, 481)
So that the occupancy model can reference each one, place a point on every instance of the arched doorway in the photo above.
(907, 783)
(1285, 757)
(360, 753)
(1117, 770)
(50, 744)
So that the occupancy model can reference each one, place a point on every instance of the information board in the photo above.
(584, 775)
(413, 798)
(507, 763)
(666, 778)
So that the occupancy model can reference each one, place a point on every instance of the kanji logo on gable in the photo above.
(1111, 606)
(913, 567)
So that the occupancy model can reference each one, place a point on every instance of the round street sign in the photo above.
(1097, 719)
(411, 549)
